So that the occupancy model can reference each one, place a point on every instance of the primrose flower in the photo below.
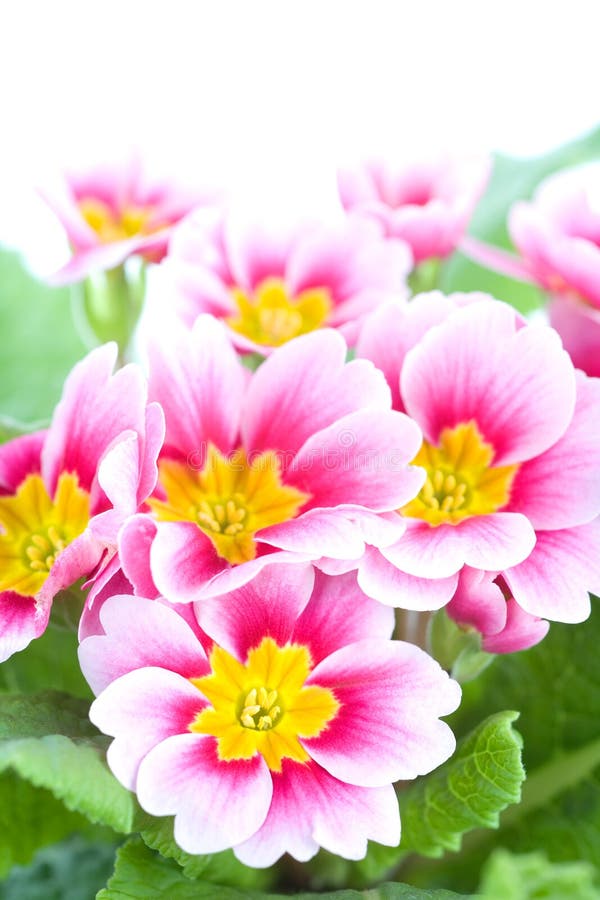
(428, 203)
(269, 287)
(278, 728)
(65, 492)
(511, 442)
(110, 213)
(558, 237)
(303, 457)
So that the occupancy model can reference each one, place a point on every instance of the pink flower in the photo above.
(558, 236)
(269, 287)
(112, 212)
(304, 459)
(427, 203)
(484, 603)
(285, 731)
(65, 492)
(512, 434)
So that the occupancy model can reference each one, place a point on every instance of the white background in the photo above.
(266, 97)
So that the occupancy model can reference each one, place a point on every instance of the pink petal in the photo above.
(108, 581)
(483, 542)
(578, 324)
(182, 561)
(18, 459)
(387, 728)
(266, 607)
(347, 258)
(327, 532)
(101, 257)
(20, 622)
(361, 459)
(561, 488)
(216, 805)
(199, 382)
(290, 397)
(516, 383)
(521, 631)
(383, 581)
(553, 582)
(96, 407)
(310, 809)
(139, 633)
(135, 541)
(392, 330)
(141, 709)
(234, 577)
(478, 602)
(338, 614)
(255, 253)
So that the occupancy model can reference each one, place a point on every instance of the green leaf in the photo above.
(39, 342)
(141, 874)
(557, 687)
(508, 876)
(50, 661)
(219, 868)
(512, 179)
(74, 869)
(48, 742)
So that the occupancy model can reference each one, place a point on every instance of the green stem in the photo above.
(112, 305)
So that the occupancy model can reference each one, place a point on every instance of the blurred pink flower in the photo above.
(269, 286)
(558, 236)
(512, 436)
(286, 733)
(64, 493)
(115, 211)
(427, 203)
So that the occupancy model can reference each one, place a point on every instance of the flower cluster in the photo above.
(308, 449)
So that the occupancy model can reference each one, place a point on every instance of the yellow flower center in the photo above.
(270, 316)
(111, 226)
(36, 529)
(460, 479)
(230, 499)
(263, 706)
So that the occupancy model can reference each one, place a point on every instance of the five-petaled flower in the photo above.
(278, 725)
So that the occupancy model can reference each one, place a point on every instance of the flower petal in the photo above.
(216, 805)
(139, 633)
(20, 622)
(199, 382)
(553, 582)
(338, 614)
(387, 728)
(266, 607)
(290, 398)
(516, 383)
(310, 809)
(382, 580)
(561, 488)
(361, 459)
(141, 709)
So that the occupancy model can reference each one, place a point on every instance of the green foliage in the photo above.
(52, 757)
(39, 342)
(49, 662)
(512, 179)
(74, 869)
(141, 874)
(219, 868)
(469, 791)
(508, 876)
